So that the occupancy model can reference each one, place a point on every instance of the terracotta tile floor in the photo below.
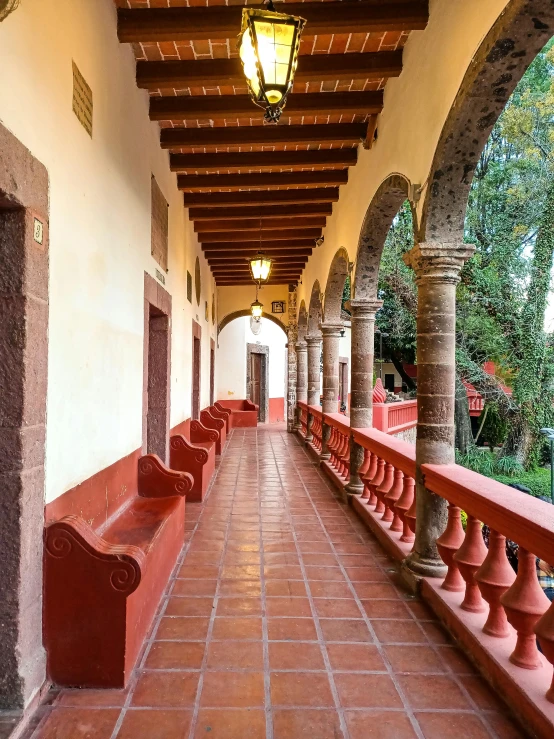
(285, 620)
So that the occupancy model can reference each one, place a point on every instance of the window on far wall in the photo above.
(160, 226)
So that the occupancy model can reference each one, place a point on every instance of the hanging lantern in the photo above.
(256, 309)
(268, 49)
(260, 267)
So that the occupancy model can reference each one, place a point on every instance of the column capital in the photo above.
(365, 308)
(313, 339)
(439, 263)
(301, 345)
(331, 329)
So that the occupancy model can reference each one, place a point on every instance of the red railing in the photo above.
(501, 613)
(339, 444)
(393, 418)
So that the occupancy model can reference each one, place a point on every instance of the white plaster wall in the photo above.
(416, 106)
(99, 231)
(231, 358)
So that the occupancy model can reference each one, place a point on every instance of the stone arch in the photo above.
(246, 312)
(315, 312)
(380, 214)
(302, 321)
(338, 272)
(517, 36)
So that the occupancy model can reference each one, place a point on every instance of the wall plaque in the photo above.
(278, 306)
(160, 226)
(82, 100)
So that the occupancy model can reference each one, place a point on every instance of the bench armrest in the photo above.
(198, 432)
(155, 480)
(72, 539)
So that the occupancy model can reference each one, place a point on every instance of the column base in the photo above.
(354, 489)
(324, 456)
(415, 568)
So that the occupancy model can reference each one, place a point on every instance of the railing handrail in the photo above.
(338, 420)
(301, 404)
(316, 411)
(401, 454)
(496, 504)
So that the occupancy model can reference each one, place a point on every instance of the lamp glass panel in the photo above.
(257, 309)
(248, 58)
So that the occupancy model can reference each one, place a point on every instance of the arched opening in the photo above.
(252, 364)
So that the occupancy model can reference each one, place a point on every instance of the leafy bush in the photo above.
(495, 429)
(538, 481)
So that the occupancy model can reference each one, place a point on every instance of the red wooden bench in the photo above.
(102, 586)
(219, 411)
(210, 421)
(194, 451)
(244, 413)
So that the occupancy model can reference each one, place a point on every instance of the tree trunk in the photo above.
(399, 367)
(462, 421)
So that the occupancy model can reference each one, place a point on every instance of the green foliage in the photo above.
(537, 481)
(489, 464)
(397, 288)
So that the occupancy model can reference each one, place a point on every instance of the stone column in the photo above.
(301, 376)
(361, 388)
(291, 379)
(314, 372)
(331, 337)
(437, 268)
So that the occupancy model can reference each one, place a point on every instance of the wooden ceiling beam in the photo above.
(231, 282)
(275, 253)
(223, 136)
(271, 211)
(277, 180)
(235, 248)
(171, 75)
(200, 23)
(249, 236)
(261, 197)
(258, 224)
(238, 266)
(263, 160)
(220, 107)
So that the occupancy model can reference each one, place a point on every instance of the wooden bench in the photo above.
(103, 586)
(211, 421)
(194, 451)
(219, 411)
(244, 413)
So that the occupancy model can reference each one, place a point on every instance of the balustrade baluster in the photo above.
(374, 484)
(370, 474)
(469, 557)
(331, 446)
(448, 544)
(381, 492)
(525, 603)
(403, 506)
(346, 458)
(545, 632)
(494, 577)
(392, 498)
(340, 453)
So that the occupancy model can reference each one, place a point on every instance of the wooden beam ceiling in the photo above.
(262, 160)
(277, 180)
(262, 197)
(339, 133)
(197, 24)
(242, 179)
(300, 253)
(254, 245)
(258, 224)
(248, 236)
(220, 107)
(173, 75)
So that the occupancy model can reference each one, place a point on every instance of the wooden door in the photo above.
(256, 379)
(196, 378)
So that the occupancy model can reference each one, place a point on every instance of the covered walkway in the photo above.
(284, 619)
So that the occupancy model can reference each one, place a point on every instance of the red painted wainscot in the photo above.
(104, 576)
(494, 614)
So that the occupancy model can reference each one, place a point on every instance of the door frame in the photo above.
(264, 378)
